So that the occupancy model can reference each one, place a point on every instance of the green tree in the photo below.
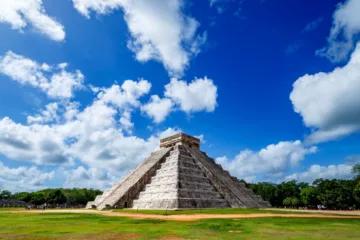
(303, 185)
(356, 193)
(295, 202)
(291, 202)
(285, 190)
(308, 197)
(356, 169)
(335, 194)
(287, 202)
(267, 192)
(5, 194)
(22, 196)
(37, 198)
(56, 197)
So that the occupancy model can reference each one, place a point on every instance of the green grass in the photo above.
(48, 226)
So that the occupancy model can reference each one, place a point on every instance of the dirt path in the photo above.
(187, 217)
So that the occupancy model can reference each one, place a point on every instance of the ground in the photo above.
(234, 224)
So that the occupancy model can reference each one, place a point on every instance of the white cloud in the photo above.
(346, 26)
(329, 102)
(88, 178)
(62, 133)
(125, 96)
(316, 171)
(271, 161)
(157, 109)
(125, 121)
(41, 144)
(18, 13)
(23, 178)
(47, 115)
(199, 95)
(352, 160)
(159, 29)
(56, 82)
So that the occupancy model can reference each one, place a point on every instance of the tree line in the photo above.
(322, 193)
(57, 196)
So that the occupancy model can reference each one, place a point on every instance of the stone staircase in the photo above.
(233, 190)
(179, 183)
(106, 193)
(122, 193)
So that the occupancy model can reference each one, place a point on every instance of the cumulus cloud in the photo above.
(55, 81)
(21, 12)
(88, 178)
(125, 121)
(159, 29)
(35, 143)
(125, 96)
(341, 171)
(329, 103)
(62, 133)
(271, 161)
(23, 178)
(47, 115)
(352, 160)
(158, 109)
(344, 31)
(199, 95)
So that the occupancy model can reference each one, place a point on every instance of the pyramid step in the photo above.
(173, 177)
(179, 169)
(180, 152)
(231, 190)
(180, 184)
(175, 162)
(179, 156)
(181, 193)
(161, 194)
(191, 193)
(179, 163)
(134, 181)
(181, 203)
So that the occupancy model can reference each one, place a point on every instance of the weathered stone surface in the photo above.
(179, 183)
(180, 139)
(179, 176)
(122, 194)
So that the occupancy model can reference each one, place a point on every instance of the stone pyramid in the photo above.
(178, 176)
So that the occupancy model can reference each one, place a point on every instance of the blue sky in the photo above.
(270, 86)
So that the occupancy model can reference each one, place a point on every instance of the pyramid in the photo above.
(178, 176)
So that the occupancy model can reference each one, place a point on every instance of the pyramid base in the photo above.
(181, 204)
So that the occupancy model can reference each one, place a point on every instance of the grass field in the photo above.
(92, 226)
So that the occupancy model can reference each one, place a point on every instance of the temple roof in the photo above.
(180, 139)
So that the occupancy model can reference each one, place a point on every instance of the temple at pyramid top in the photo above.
(178, 176)
(180, 139)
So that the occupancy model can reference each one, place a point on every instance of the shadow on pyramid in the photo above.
(178, 176)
